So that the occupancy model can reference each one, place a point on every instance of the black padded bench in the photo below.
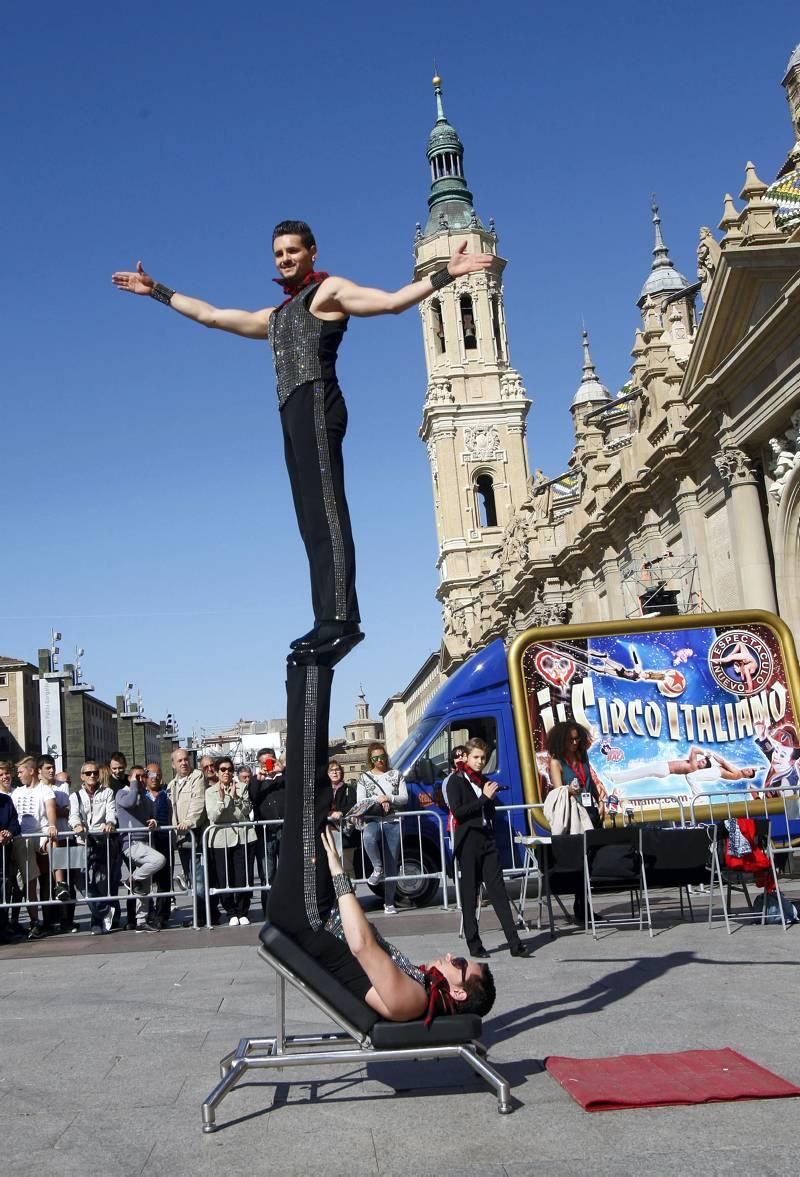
(362, 1036)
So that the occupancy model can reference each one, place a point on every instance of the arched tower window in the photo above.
(438, 327)
(468, 323)
(484, 498)
(497, 329)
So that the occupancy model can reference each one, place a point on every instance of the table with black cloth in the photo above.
(673, 857)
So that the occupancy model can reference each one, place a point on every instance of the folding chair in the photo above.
(676, 857)
(362, 1037)
(561, 857)
(533, 869)
(613, 861)
(728, 880)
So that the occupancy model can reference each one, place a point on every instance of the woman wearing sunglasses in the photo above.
(383, 790)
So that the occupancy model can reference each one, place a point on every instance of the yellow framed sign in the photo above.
(680, 709)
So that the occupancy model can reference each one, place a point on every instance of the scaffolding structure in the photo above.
(663, 586)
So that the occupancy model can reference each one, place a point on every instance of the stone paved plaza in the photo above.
(110, 1046)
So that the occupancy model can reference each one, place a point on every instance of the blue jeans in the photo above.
(382, 844)
(103, 864)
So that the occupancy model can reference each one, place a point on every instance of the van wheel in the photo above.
(417, 892)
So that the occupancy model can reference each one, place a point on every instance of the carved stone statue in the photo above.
(514, 548)
(785, 457)
(708, 255)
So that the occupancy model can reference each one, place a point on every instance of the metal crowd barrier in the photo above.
(752, 803)
(216, 887)
(641, 810)
(405, 815)
(81, 864)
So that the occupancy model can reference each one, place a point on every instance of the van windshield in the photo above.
(414, 743)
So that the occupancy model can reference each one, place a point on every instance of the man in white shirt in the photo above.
(93, 817)
(35, 803)
(57, 918)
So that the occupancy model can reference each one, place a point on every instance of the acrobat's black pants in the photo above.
(314, 421)
(477, 858)
(302, 896)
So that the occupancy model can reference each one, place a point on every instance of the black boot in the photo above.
(324, 632)
(327, 653)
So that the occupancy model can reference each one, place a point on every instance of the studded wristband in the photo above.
(162, 294)
(441, 278)
(343, 886)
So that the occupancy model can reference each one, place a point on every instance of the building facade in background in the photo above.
(20, 730)
(682, 492)
(243, 741)
(44, 709)
(359, 733)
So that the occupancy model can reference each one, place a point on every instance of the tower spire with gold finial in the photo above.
(450, 201)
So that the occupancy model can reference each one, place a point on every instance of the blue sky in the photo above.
(150, 515)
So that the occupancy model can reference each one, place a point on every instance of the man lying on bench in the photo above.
(313, 901)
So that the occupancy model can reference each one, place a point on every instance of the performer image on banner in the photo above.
(304, 332)
(702, 771)
(780, 747)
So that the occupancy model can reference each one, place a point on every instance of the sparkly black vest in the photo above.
(303, 347)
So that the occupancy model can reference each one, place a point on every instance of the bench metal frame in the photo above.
(348, 1045)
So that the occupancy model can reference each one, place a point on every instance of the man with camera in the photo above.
(267, 796)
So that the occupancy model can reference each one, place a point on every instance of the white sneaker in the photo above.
(389, 909)
(243, 920)
(233, 922)
(108, 920)
(376, 877)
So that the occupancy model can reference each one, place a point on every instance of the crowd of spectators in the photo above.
(120, 835)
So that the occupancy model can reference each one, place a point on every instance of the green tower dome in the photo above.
(450, 201)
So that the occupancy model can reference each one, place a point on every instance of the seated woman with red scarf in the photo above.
(312, 900)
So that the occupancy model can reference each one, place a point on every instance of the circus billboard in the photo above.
(680, 710)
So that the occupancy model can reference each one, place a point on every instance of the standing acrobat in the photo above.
(304, 333)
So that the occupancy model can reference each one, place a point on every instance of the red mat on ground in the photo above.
(655, 1080)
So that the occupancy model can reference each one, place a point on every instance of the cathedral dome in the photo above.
(591, 391)
(444, 137)
(785, 193)
(663, 277)
(665, 280)
(793, 60)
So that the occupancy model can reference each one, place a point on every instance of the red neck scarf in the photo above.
(290, 289)
(477, 778)
(440, 1000)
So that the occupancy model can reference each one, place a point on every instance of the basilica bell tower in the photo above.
(473, 419)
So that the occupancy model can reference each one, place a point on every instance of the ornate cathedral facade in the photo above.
(682, 492)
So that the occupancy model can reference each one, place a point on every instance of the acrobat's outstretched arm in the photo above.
(340, 294)
(248, 324)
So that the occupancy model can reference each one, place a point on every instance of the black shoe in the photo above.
(37, 932)
(520, 949)
(326, 631)
(328, 654)
(478, 951)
